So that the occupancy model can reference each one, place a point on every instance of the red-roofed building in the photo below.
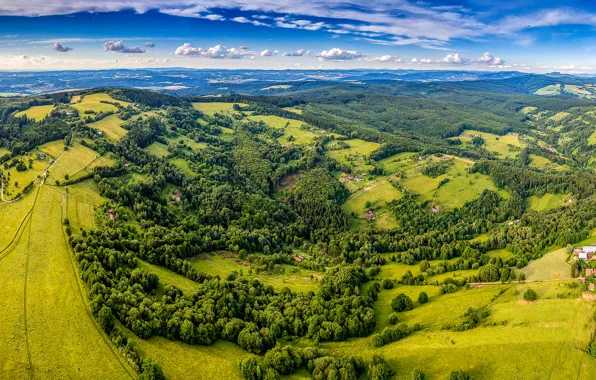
(589, 272)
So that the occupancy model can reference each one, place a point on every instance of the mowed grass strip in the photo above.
(36, 112)
(111, 127)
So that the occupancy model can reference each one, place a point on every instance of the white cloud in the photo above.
(61, 48)
(337, 54)
(242, 20)
(385, 58)
(455, 59)
(269, 53)
(421, 60)
(297, 53)
(214, 17)
(217, 52)
(118, 47)
(150, 44)
(488, 59)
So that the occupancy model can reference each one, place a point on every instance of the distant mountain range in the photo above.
(205, 82)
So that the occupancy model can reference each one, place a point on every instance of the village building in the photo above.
(591, 287)
(436, 209)
(589, 272)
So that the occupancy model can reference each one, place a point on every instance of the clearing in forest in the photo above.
(36, 112)
(505, 146)
(548, 201)
(111, 126)
(552, 266)
(212, 108)
(94, 102)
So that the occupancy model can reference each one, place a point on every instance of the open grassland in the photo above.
(36, 112)
(183, 165)
(93, 102)
(53, 148)
(354, 156)
(551, 90)
(45, 328)
(25, 177)
(377, 195)
(552, 266)
(559, 116)
(294, 278)
(547, 202)
(212, 108)
(537, 340)
(182, 361)
(157, 149)
(99, 161)
(460, 186)
(111, 127)
(183, 140)
(528, 109)
(504, 146)
(291, 128)
(74, 160)
(297, 110)
(544, 163)
(167, 277)
(81, 200)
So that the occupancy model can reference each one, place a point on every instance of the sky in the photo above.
(521, 35)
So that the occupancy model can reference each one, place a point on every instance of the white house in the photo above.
(589, 248)
(583, 256)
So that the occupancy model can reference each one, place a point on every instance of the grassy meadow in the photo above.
(212, 108)
(111, 126)
(547, 202)
(36, 112)
(93, 102)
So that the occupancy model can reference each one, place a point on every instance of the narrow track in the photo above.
(83, 297)
(29, 363)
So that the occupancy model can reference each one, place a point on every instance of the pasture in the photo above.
(19, 179)
(77, 158)
(377, 194)
(157, 149)
(547, 202)
(111, 126)
(294, 278)
(212, 108)
(45, 326)
(292, 128)
(550, 90)
(93, 102)
(552, 266)
(36, 112)
(504, 146)
(543, 163)
(540, 339)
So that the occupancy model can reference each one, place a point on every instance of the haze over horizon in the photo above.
(527, 36)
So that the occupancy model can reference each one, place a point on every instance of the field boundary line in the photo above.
(4, 251)
(29, 365)
(101, 333)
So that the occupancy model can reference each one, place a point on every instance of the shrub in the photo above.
(423, 297)
(530, 295)
(378, 369)
(417, 374)
(402, 303)
(459, 375)
(393, 318)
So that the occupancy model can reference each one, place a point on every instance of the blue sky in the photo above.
(284, 34)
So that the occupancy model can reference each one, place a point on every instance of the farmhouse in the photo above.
(42, 156)
(111, 214)
(591, 287)
(589, 272)
(585, 253)
(436, 209)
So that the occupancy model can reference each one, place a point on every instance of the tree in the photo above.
(530, 295)
(150, 370)
(459, 375)
(417, 374)
(402, 303)
(378, 369)
(423, 298)
(105, 318)
(250, 369)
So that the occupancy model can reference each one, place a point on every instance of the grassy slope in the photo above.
(59, 335)
(36, 112)
(547, 202)
(111, 126)
(552, 266)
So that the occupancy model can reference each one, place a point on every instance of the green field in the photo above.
(538, 340)
(550, 90)
(25, 177)
(461, 187)
(110, 126)
(212, 108)
(53, 148)
(547, 202)
(501, 145)
(37, 112)
(292, 128)
(157, 149)
(76, 159)
(377, 194)
(93, 102)
(183, 165)
(294, 278)
(544, 163)
(552, 266)
(45, 326)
